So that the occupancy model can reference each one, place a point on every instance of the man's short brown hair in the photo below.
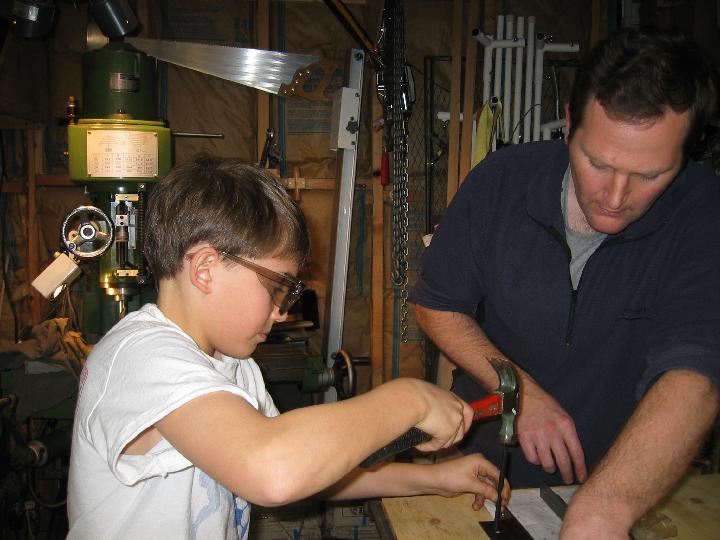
(234, 207)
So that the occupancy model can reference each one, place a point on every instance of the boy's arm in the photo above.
(274, 461)
(467, 474)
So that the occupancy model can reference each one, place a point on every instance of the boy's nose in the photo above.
(277, 316)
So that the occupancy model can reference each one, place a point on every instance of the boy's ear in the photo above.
(201, 268)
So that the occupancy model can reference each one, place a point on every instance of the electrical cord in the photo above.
(37, 499)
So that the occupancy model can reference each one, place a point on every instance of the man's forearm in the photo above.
(462, 340)
(648, 458)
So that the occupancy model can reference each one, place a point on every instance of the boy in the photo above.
(174, 435)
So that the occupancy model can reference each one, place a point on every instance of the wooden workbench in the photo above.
(693, 506)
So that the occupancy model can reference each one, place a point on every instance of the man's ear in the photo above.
(566, 132)
(201, 268)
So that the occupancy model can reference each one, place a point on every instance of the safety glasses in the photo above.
(284, 289)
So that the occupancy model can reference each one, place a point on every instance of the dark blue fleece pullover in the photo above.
(648, 300)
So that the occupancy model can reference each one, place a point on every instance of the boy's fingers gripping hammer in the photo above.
(503, 401)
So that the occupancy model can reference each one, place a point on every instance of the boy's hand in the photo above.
(446, 418)
(469, 474)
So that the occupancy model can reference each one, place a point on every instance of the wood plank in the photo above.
(599, 23)
(53, 180)
(469, 92)
(13, 187)
(431, 517)
(323, 184)
(32, 228)
(455, 76)
(377, 290)
(693, 506)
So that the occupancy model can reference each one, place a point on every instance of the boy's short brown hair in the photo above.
(236, 208)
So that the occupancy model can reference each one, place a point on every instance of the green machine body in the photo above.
(118, 149)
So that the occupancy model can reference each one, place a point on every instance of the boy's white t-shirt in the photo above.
(144, 368)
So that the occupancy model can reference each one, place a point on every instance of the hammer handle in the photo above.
(409, 439)
(487, 407)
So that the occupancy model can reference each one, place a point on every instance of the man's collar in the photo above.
(543, 195)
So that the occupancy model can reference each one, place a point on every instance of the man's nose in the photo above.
(616, 192)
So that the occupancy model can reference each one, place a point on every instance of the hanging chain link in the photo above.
(400, 112)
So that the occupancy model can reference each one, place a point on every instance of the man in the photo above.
(594, 266)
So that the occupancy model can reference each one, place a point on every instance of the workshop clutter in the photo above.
(301, 520)
(350, 522)
(309, 520)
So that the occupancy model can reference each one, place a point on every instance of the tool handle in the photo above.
(487, 407)
(409, 439)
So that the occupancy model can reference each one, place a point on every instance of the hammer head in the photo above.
(510, 392)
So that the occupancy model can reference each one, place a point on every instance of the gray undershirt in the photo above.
(581, 245)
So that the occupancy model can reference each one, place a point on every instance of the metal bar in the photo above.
(334, 316)
(199, 135)
(501, 484)
(554, 501)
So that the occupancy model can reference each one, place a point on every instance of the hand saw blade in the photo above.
(261, 69)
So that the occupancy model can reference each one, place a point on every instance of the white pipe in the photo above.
(548, 127)
(497, 75)
(509, 34)
(487, 60)
(542, 48)
(527, 112)
(518, 82)
(490, 45)
(473, 140)
(444, 116)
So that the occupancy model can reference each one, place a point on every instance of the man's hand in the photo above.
(547, 434)
(468, 474)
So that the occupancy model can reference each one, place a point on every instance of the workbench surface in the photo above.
(693, 506)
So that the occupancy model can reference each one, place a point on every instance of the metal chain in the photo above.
(400, 169)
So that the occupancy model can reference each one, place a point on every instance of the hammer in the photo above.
(501, 402)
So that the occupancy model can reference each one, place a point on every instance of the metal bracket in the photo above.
(344, 121)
